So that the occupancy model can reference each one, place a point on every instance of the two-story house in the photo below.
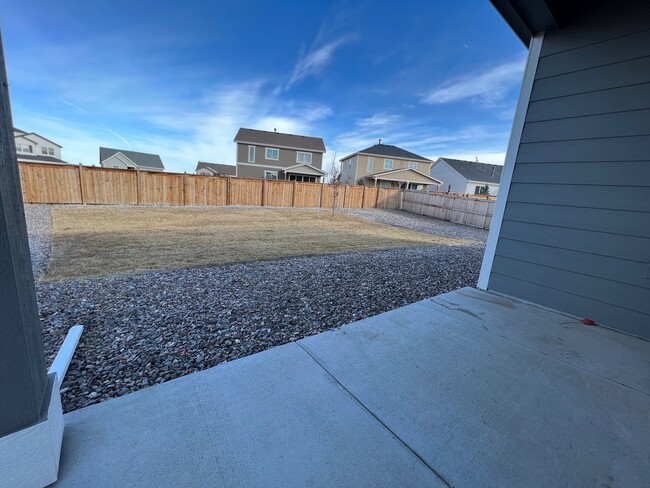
(278, 156)
(122, 159)
(471, 177)
(33, 148)
(387, 166)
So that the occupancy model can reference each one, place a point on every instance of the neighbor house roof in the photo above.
(39, 159)
(22, 133)
(415, 176)
(278, 139)
(389, 151)
(138, 158)
(475, 171)
(219, 169)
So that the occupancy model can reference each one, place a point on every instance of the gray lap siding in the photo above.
(576, 230)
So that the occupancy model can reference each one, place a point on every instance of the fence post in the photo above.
(81, 185)
(401, 199)
(345, 194)
(228, 192)
(263, 191)
(363, 197)
(184, 190)
(320, 197)
(377, 198)
(293, 194)
(137, 186)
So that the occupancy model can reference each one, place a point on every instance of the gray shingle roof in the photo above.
(470, 170)
(36, 158)
(390, 152)
(276, 139)
(221, 169)
(138, 158)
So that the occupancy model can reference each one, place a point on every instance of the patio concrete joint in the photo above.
(371, 413)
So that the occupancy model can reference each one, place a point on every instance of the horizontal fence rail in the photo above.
(68, 184)
(476, 212)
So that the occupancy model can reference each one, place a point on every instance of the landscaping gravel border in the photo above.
(144, 329)
(39, 222)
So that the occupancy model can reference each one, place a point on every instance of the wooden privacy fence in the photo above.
(55, 183)
(476, 212)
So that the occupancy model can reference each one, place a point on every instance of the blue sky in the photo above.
(439, 78)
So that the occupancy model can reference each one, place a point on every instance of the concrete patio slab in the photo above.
(488, 405)
(272, 419)
(466, 389)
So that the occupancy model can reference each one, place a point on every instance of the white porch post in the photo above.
(511, 157)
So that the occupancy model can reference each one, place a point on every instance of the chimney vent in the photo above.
(274, 129)
(379, 141)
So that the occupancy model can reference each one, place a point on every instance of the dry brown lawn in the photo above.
(96, 241)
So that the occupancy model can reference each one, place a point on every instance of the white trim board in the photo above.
(511, 157)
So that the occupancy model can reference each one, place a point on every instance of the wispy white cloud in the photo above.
(379, 120)
(316, 59)
(488, 88)
(181, 131)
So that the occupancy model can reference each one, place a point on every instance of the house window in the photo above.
(303, 157)
(23, 147)
(481, 190)
(50, 151)
(44, 150)
(371, 161)
(272, 153)
(251, 154)
(270, 175)
(413, 165)
(388, 164)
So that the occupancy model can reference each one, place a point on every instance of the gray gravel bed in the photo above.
(420, 223)
(145, 329)
(38, 229)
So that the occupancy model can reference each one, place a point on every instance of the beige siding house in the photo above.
(278, 156)
(387, 166)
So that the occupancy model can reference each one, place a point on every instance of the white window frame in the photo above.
(369, 166)
(266, 153)
(412, 165)
(388, 163)
(44, 150)
(26, 148)
(272, 173)
(249, 154)
(304, 154)
(50, 151)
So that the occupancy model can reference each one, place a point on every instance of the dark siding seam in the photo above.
(584, 138)
(618, 87)
(587, 115)
(604, 41)
(567, 206)
(611, 63)
(569, 249)
(554, 288)
(570, 271)
(574, 227)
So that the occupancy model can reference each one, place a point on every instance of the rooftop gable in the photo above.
(279, 139)
(226, 169)
(390, 152)
(138, 158)
(475, 171)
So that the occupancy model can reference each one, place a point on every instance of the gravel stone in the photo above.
(38, 229)
(145, 329)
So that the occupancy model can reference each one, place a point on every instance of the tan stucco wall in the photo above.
(287, 157)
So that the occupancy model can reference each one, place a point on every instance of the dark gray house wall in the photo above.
(576, 229)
